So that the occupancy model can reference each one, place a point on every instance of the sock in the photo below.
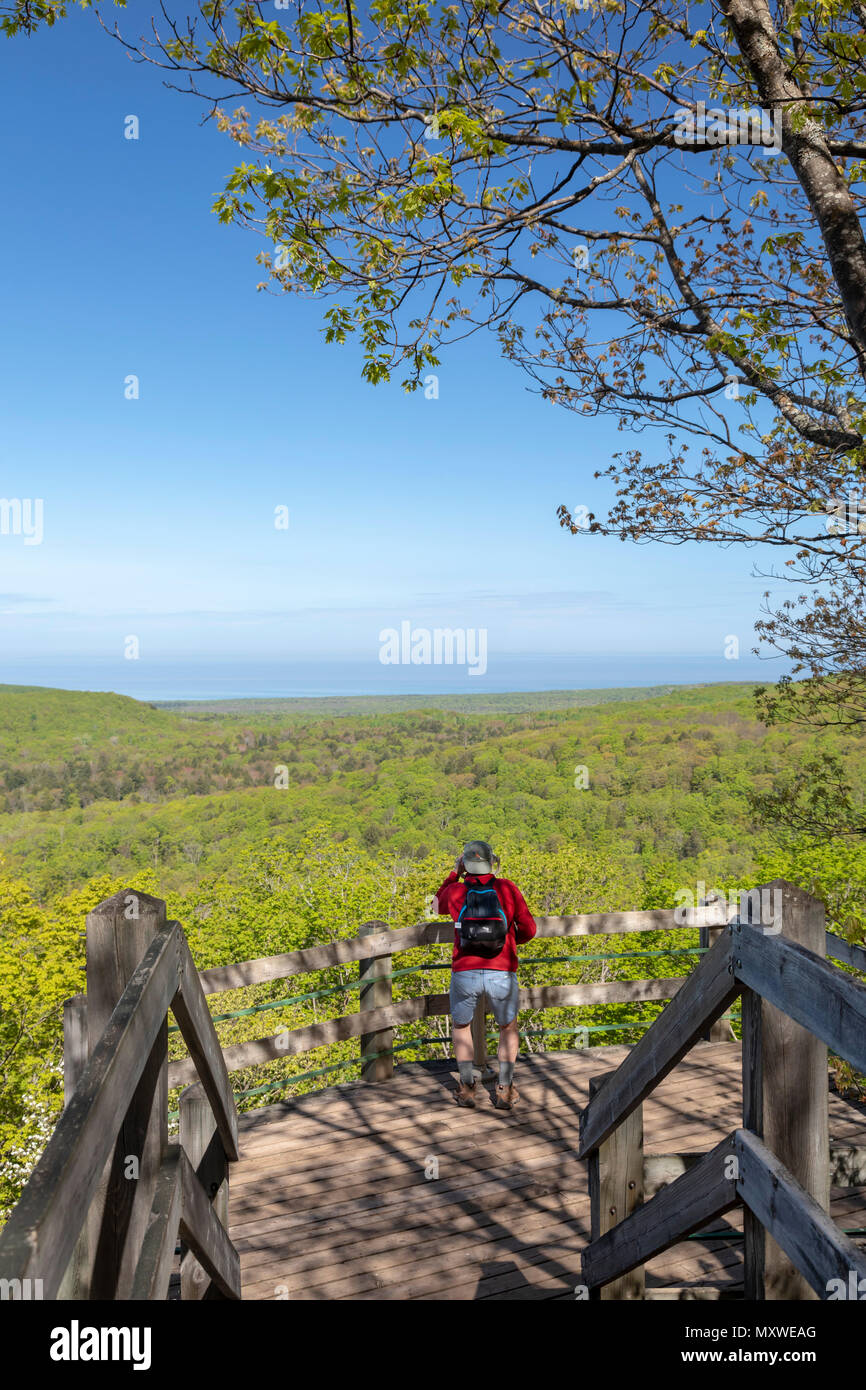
(466, 1073)
(506, 1073)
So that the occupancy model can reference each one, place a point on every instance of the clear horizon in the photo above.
(194, 682)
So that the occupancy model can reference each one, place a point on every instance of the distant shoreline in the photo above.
(608, 689)
(494, 702)
(503, 701)
(193, 683)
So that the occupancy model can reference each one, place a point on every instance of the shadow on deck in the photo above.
(390, 1191)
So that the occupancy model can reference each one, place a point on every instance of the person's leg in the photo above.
(464, 1050)
(463, 995)
(509, 1045)
(503, 995)
(509, 1042)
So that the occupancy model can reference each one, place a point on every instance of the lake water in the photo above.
(150, 680)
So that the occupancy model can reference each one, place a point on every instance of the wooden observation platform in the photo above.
(393, 1192)
(686, 1166)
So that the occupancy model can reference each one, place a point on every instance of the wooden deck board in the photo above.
(330, 1199)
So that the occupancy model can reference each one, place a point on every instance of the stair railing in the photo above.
(795, 1005)
(104, 1206)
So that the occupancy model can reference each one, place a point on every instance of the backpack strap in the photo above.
(482, 888)
(492, 884)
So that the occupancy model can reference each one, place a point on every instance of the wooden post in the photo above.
(785, 1094)
(708, 935)
(76, 1048)
(481, 1067)
(119, 931)
(376, 993)
(203, 1147)
(721, 1030)
(76, 1281)
(616, 1180)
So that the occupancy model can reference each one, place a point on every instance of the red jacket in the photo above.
(521, 924)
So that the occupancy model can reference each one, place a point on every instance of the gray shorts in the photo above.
(501, 989)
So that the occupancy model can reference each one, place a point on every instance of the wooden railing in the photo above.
(379, 1014)
(101, 1214)
(777, 1166)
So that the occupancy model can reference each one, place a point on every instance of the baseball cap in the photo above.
(478, 857)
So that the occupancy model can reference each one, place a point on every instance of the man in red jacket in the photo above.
(494, 974)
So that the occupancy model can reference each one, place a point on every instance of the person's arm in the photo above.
(443, 893)
(524, 922)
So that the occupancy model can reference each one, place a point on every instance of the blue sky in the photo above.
(159, 512)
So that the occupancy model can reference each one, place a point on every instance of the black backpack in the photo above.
(482, 926)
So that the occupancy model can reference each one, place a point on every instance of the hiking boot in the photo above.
(506, 1097)
(465, 1095)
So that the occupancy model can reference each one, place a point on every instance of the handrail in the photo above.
(260, 1050)
(807, 1233)
(811, 991)
(239, 974)
(196, 1026)
(375, 944)
(814, 993)
(219, 978)
(846, 951)
(46, 1224)
(847, 1167)
(348, 986)
(703, 1192)
(39, 1237)
(153, 1272)
(182, 1208)
(707, 992)
(778, 976)
(739, 1170)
